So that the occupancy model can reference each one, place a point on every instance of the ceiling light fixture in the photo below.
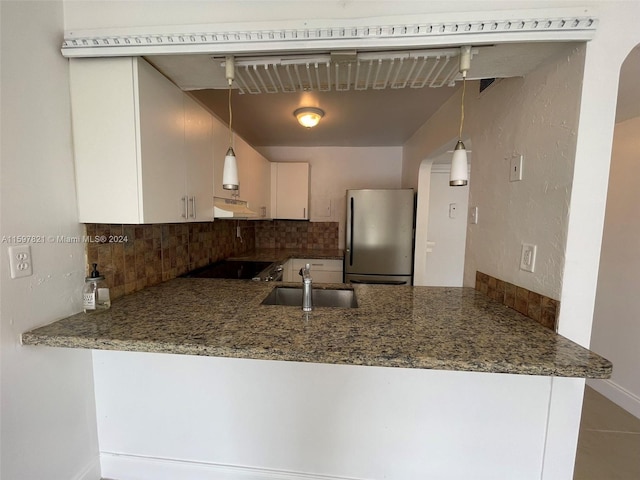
(459, 176)
(230, 169)
(308, 116)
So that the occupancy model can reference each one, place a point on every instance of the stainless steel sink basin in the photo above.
(322, 297)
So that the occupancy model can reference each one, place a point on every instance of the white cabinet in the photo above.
(290, 190)
(143, 149)
(322, 270)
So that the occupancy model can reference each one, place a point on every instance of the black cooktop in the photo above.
(244, 270)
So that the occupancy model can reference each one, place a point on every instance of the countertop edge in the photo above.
(145, 346)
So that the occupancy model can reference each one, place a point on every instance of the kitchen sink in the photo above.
(322, 297)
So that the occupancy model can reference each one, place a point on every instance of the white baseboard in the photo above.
(90, 471)
(618, 395)
(133, 467)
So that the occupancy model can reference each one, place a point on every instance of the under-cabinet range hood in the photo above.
(231, 208)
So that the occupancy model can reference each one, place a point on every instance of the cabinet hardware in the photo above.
(185, 208)
(193, 207)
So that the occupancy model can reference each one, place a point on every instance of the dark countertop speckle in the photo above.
(412, 327)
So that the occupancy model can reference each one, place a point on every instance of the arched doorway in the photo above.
(441, 223)
(616, 322)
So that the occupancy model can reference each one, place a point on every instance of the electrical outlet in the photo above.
(528, 257)
(20, 261)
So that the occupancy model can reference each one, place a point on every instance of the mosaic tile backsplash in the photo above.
(280, 234)
(140, 256)
(540, 308)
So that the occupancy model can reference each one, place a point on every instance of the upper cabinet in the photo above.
(290, 190)
(143, 148)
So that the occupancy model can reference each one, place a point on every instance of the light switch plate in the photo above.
(515, 174)
(473, 215)
(453, 210)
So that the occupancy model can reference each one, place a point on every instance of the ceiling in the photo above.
(370, 117)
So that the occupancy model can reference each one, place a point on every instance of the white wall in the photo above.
(135, 13)
(616, 323)
(336, 169)
(48, 414)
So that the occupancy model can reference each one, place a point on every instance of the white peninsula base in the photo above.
(163, 417)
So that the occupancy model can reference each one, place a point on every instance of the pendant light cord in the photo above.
(230, 118)
(464, 85)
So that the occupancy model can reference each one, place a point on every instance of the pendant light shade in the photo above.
(459, 167)
(230, 171)
(459, 170)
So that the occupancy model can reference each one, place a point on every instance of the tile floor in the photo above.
(609, 442)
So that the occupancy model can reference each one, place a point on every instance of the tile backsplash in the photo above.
(540, 308)
(133, 257)
(297, 234)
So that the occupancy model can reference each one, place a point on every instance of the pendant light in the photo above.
(230, 169)
(459, 176)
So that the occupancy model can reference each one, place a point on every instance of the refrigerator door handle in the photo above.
(351, 234)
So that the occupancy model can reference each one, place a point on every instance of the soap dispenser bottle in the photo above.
(95, 294)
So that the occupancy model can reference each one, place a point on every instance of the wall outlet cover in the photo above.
(515, 174)
(20, 261)
(528, 257)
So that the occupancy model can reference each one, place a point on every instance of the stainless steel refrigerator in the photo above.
(379, 236)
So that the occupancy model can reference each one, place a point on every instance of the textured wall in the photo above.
(537, 117)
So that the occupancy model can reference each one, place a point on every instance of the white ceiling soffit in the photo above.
(327, 35)
(347, 70)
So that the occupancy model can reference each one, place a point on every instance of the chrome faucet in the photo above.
(307, 302)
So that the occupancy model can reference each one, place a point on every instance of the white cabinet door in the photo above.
(198, 150)
(162, 161)
(105, 140)
(290, 190)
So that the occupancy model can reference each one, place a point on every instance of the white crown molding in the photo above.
(388, 32)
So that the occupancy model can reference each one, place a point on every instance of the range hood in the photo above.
(231, 208)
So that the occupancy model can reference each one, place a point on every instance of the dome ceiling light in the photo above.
(308, 116)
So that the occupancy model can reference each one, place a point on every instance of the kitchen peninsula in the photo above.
(264, 390)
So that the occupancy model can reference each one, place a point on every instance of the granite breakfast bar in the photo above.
(472, 380)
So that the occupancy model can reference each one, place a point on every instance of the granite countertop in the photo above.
(401, 326)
